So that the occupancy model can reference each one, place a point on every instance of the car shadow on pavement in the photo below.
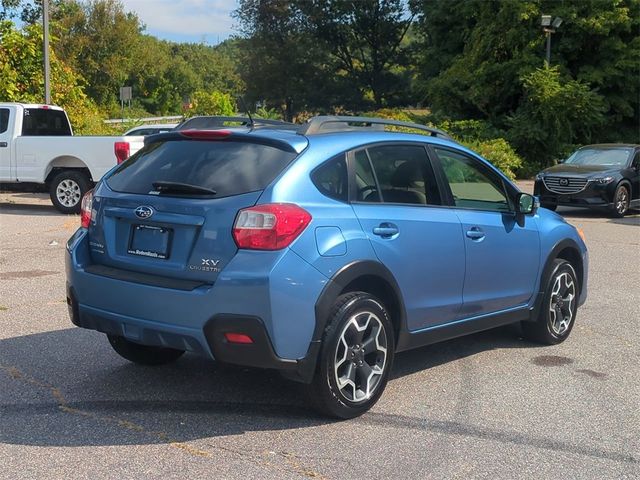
(10, 208)
(68, 388)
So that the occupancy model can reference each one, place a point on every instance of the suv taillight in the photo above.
(122, 151)
(269, 227)
(86, 209)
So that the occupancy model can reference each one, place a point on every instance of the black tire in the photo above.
(143, 354)
(352, 399)
(621, 201)
(66, 190)
(549, 206)
(553, 328)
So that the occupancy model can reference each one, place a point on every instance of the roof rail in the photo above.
(216, 121)
(326, 124)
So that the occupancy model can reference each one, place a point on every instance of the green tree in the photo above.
(555, 114)
(211, 103)
(22, 77)
(100, 40)
(365, 38)
(480, 62)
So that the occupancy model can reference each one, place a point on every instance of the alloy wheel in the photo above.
(68, 193)
(361, 357)
(562, 303)
(622, 200)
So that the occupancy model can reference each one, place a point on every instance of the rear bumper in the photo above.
(264, 296)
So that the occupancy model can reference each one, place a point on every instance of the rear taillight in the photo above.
(86, 209)
(269, 227)
(122, 151)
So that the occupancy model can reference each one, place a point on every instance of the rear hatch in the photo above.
(169, 210)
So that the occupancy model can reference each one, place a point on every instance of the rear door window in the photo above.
(4, 119)
(228, 167)
(45, 122)
(402, 174)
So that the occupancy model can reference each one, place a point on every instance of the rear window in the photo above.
(228, 167)
(4, 119)
(45, 122)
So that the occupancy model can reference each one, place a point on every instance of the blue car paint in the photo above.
(461, 278)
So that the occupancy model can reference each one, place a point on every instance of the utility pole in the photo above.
(45, 46)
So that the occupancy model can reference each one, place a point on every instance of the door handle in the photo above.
(386, 230)
(4, 144)
(475, 233)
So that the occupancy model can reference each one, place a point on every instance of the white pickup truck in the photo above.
(37, 149)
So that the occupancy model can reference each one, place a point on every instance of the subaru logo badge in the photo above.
(564, 182)
(143, 211)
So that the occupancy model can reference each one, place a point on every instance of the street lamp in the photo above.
(548, 27)
(45, 51)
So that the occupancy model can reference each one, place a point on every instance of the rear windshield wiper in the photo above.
(177, 187)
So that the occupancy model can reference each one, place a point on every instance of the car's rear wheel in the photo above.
(559, 306)
(143, 354)
(621, 201)
(356, 357)
(67, 189)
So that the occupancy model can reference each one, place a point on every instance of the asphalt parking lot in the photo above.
(490, 405)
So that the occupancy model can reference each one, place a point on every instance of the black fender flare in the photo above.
(547, 270)
(327, 298)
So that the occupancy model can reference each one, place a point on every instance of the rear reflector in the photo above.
(272, 226)
(232, 337)
(122, 151)
(86, 209)
(206, 134)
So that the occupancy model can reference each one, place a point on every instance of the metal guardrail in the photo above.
(173, 118)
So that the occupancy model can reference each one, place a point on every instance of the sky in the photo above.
(199, 21)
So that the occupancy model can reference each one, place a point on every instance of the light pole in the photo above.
(45, 46)
(549, 27)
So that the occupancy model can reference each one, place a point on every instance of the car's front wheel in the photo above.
(559, 306)
(356, 357)
(621, 201)
(143, 354)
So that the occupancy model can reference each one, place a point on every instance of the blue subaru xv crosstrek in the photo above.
(318, 250)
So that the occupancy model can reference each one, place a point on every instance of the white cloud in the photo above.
(188, 19)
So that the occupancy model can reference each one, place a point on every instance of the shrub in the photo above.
(211, 103)
(499, 153)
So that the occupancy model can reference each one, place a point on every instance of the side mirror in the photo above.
(527, 204)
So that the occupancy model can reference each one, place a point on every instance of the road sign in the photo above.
(125, 94)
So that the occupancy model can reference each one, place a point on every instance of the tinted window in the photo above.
(331, 179)
(404, 174)
(229, 168)
(472, 184)
(47, 122)
(4, 119)
(366, 185)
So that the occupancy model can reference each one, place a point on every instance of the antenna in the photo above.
(243, 105)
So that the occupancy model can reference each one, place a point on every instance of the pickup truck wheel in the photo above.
(559, 307)
(356, 357)
(143, 354)
(67, 189)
